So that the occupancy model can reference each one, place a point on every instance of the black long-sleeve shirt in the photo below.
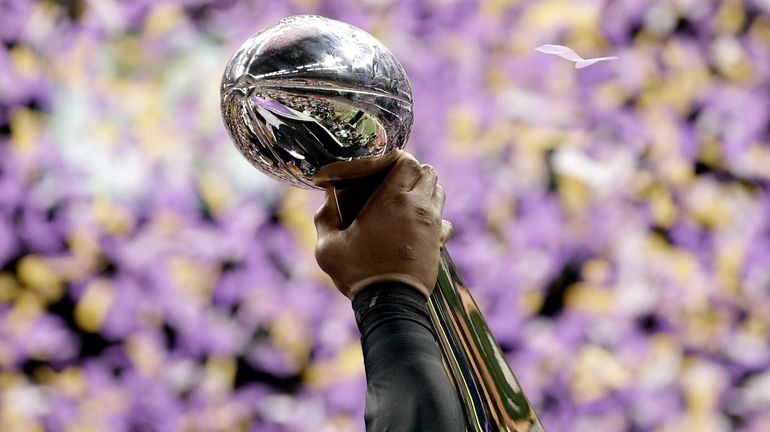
(408, 388)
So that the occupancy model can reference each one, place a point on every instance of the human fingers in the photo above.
(405, 172)
(399, 180)
(426, 182)
(439, 197)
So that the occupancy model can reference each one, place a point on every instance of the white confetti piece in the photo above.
(567, 53)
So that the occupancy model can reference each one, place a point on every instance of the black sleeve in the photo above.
(408, 388)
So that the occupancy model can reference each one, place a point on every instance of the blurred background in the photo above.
(613, 222)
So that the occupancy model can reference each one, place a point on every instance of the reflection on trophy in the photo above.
(318, 103)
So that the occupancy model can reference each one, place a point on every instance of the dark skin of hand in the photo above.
(396, 236)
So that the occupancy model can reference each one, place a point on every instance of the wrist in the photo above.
(403, 279)
(388, 302)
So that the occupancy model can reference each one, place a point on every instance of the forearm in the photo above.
(408, 388)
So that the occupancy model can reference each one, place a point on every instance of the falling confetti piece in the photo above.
(567, 53)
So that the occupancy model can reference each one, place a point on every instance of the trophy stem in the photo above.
(492, 398)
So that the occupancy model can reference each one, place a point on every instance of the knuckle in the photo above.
(411, 166)
(447, 227)
(401, 198)
(408, 164)
(408, 159)
(423, 209)
(426, 213)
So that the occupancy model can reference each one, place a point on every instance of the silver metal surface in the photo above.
(312, 100)
(492, 398)
(315, 102)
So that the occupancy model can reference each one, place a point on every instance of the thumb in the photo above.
(327, 218)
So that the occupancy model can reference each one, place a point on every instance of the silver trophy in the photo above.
(318, 103)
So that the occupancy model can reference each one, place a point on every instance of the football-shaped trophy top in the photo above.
(313, 101)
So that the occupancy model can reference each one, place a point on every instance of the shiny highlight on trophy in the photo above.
(316, 103)
(307, 97)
